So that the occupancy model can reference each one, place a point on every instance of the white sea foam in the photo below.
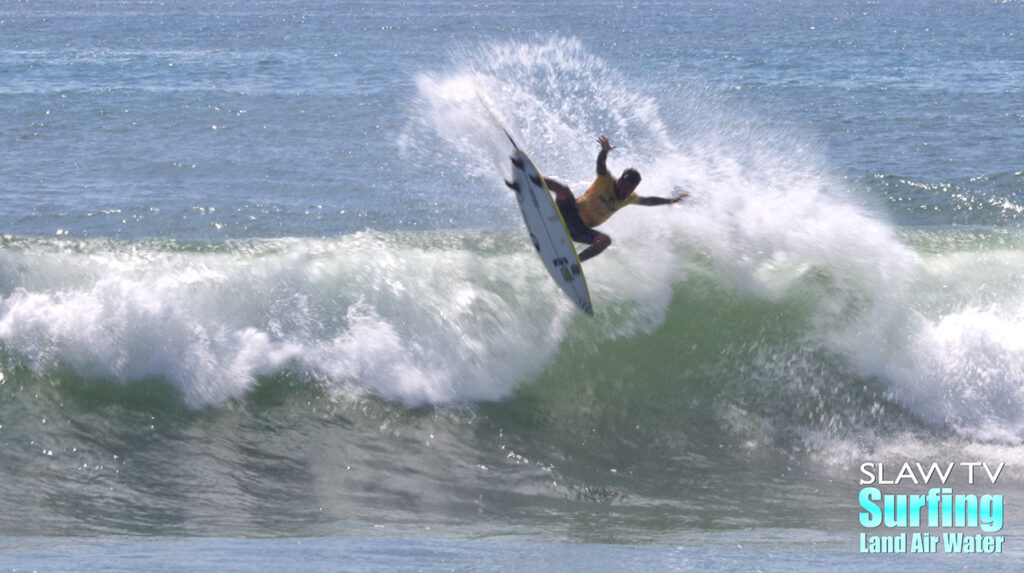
(405, 322)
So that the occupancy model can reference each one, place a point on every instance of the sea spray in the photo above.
(767, 213)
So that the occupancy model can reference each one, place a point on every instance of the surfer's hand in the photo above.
(680, 196)
(605, 145)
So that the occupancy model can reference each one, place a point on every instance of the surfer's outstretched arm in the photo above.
(650, 201)
(602, 157)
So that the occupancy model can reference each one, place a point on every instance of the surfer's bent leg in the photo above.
(561, 191)
(599, 243)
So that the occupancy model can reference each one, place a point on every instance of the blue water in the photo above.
(262, 287)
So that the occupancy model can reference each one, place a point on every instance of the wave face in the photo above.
(780, 321)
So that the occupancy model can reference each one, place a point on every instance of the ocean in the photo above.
(266, 302)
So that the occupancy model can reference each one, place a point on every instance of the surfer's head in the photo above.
(629, 180)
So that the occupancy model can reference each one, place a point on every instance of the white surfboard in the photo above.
(547, 229)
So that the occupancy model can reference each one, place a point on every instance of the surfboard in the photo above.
(547, 229)
(548, 233)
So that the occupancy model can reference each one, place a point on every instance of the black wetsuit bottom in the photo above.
(577, 229)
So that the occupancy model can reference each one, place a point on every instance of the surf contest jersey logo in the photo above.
(599, 202)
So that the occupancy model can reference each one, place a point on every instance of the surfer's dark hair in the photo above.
(631, 176)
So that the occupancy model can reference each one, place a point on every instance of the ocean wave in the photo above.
(446, 317)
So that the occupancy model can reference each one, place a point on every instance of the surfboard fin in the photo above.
(518, 163)
(513, 186)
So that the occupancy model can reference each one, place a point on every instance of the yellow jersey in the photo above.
(599, 202)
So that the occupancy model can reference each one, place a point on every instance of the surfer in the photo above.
(605, 196)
